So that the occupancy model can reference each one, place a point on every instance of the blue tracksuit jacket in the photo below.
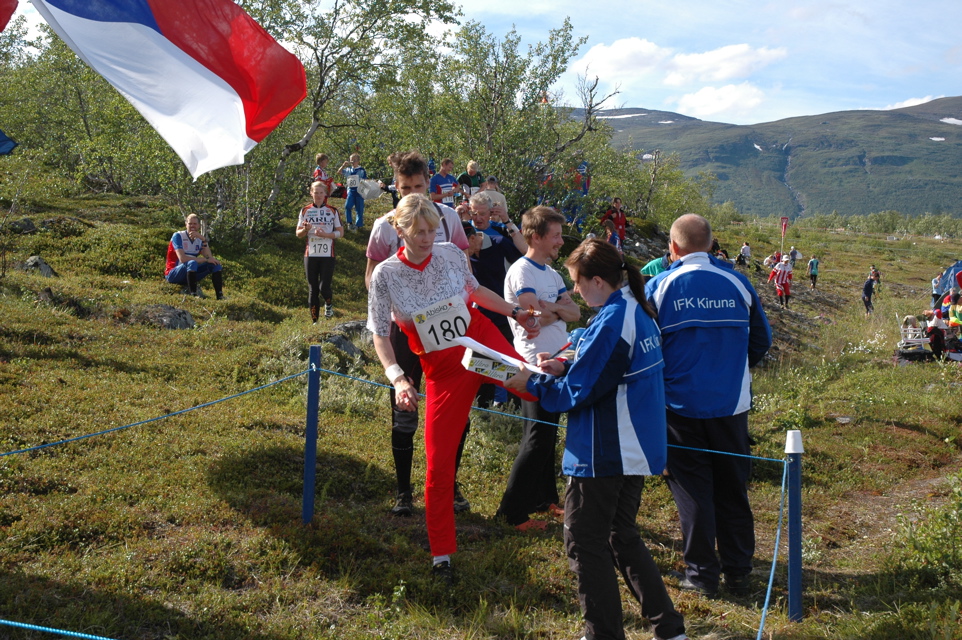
(713, 329)
(614, 394)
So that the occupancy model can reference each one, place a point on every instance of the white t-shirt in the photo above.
(527, 276)
(384, 241)
(400, 289)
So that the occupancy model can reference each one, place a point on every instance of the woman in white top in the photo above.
(428, 289)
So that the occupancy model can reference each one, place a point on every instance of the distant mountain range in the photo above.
(853, 162)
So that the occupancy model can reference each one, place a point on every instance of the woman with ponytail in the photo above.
(615, 395)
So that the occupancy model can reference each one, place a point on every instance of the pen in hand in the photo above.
(558, 352)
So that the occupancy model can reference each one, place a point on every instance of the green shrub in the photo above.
(932, 551)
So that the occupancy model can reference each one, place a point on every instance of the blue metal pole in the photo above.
(310, 432)
(794, 449)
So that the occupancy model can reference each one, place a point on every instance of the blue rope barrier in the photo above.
(142, 422)
(515, 416)
(72, 634)
(728, 453)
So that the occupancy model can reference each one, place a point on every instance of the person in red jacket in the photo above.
(782, 275)
(616, 215)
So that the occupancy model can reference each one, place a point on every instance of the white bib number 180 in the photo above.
(439, 324)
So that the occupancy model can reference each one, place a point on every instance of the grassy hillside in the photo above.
(855, 162)
(189, 527)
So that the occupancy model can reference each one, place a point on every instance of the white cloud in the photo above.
(719, 65)
(627, 60)
(911, 102)
(623, 60)
(732, 99)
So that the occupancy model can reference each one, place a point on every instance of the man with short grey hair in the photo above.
(499, 249)
(713, 329)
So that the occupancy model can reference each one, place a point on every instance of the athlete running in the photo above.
(427, 289)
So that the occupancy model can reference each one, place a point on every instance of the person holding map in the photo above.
(428, 289)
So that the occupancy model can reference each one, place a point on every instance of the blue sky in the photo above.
(744, 61)
(747, 61)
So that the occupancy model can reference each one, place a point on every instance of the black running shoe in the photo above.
(442, 572)
(403, 505)
(461, 503)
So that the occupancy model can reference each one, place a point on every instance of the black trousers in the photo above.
(533, 481)
(711, 493)
(320, 273)
(601, 534)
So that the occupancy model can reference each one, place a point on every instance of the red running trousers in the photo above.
(449, 393)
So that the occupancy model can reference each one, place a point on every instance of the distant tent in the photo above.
(948, 278)
(6, 144)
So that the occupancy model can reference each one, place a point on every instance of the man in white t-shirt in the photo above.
(410, 176)
(532, 283)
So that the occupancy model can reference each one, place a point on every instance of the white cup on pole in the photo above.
(793, 442)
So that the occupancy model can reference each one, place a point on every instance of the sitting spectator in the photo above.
(955, 315)
(935, 331)
(947, 302)
(189, 260)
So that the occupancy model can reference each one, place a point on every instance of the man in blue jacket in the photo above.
(713, 329)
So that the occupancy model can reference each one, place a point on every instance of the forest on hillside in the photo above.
(372, 89)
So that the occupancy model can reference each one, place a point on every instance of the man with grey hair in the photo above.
(713, 329)
(482, 215)
(498, 251)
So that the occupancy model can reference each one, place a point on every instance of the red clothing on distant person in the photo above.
(618, 217)
(782, 275)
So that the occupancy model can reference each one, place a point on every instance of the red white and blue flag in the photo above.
(7, 7)
(203, 73)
